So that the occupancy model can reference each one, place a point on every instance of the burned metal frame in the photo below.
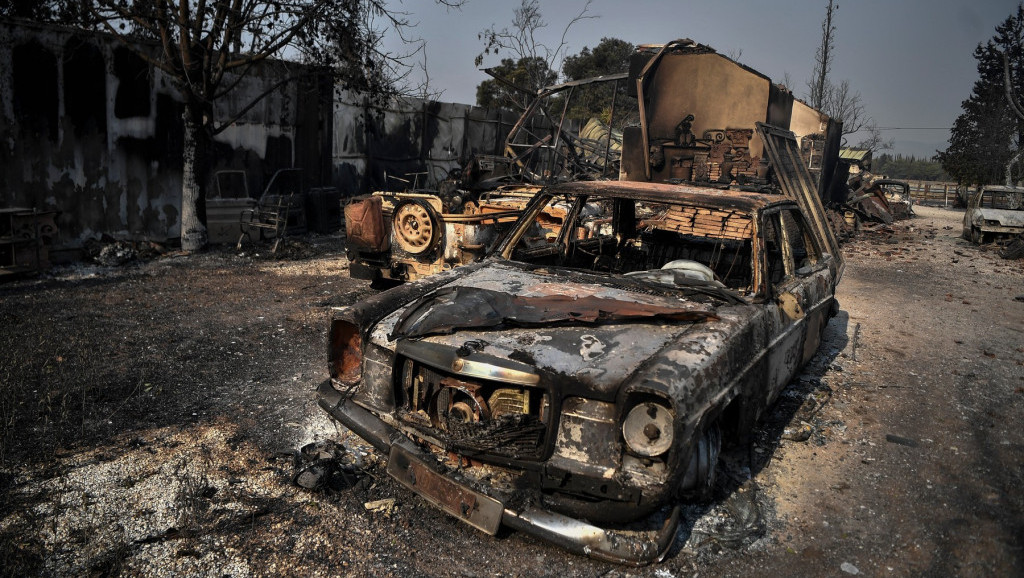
(536, 105)
(641, 83)
(797, 184)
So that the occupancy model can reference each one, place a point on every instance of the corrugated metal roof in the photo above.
(854, 154)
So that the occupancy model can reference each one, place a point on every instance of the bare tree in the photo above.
(787, 81)
(522, 42)
(842, 103)
(208, 46)
(818, 85)
(874, 141)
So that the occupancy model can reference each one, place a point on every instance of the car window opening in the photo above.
(622, 236)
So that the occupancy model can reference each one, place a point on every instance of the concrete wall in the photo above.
(807, 121)
(411, 142)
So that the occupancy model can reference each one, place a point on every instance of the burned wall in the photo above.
(701, 109)
(88, 128)
(719, 93)
(819, 138)
(410, 143)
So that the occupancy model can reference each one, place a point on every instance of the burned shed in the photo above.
(698, 111)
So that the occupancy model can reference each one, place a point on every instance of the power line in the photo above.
(913, 128)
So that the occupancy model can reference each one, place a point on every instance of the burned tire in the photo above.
(977, 236)
(698, 482)
(416, 227)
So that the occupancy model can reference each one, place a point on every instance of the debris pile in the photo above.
(1015, 249)
(111, 252)
(326, 465)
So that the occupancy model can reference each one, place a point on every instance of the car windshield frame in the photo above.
(998, 198)
(509, 248)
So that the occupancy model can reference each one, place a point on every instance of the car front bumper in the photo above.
(417, 470)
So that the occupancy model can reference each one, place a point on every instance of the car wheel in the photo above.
(416, 227)
(699, 480)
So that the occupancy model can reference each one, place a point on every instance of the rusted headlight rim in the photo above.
(648, 427)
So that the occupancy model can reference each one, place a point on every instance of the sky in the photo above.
(911, 60)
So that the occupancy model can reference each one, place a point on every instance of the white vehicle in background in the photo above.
(994, 211)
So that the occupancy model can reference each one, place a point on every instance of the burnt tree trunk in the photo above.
(193, 179)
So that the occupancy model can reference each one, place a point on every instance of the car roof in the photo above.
(664, 192)
(1003, 189)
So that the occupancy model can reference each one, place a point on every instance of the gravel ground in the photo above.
(151, 414)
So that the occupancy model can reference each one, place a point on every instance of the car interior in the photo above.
(622, 236)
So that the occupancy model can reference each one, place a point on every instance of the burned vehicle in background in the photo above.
(897, 195)
(584, 374)
(994, 211)
(406, 235)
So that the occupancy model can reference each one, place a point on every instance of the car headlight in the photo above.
(346, 352)
(647, 429)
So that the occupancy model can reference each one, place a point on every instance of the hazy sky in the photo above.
(911, 60)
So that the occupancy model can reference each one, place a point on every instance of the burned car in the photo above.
(994, 211)
(897, 195)
(584, 374)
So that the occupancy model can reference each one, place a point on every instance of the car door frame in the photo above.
(792, 334)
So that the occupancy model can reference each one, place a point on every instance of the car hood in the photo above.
(1006, 217)
(597, 334)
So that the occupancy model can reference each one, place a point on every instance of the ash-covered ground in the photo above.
(152, 412)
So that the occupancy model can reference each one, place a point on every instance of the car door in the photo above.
(811, 278)
(799, 284)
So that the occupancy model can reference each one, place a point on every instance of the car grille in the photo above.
(473, 416)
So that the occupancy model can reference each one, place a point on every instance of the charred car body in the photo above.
(589, 367)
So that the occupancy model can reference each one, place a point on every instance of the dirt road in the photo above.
(151, 412)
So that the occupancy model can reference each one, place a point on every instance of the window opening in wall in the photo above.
(132, 73)
(85, 87)
(35, 90)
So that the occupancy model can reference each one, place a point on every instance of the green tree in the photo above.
(610, 56)
(67, 12)
(908, 168)
(987, 134)
(529, 73)
(533, 63)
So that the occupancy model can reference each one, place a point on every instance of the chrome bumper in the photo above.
(636, 548)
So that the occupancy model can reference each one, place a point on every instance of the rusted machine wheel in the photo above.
(415, 226)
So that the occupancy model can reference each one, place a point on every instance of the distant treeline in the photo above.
(908, 168)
